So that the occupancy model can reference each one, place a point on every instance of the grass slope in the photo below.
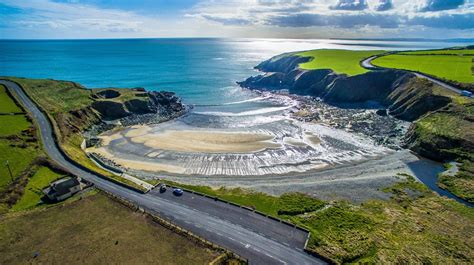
(7, 105)
(442, 52)
(340, 61)
(93, 230)
(444, 64)
(18, 142)
(462, 184)
(451, 133)
(13, 124)
(34, 189)
(415, 226)
(19, 159)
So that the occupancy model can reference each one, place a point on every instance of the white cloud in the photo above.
(241, 18)
(346, 14)
(74, 16)
(350, 5)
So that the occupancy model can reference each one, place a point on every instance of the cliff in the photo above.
(446, 134)
(402, 93)
(114, 104)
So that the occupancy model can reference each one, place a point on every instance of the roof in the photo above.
(62, 186)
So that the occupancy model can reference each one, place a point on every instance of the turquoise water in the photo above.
(201, 71)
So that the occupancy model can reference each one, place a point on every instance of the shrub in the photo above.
(298, 203)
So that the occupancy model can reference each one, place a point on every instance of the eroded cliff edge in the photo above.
(442, 121)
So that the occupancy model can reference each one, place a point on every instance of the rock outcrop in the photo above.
(446, 134)
(160, 103)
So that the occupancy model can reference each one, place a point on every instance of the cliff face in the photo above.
(404, 94)
(413, 98)
(131, 106)
(446, 134)
(113, 107)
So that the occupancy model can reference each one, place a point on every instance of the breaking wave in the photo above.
(247, 100)
(244, 113)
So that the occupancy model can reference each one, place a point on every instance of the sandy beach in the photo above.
(200, 141)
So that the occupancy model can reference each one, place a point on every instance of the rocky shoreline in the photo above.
(367, 119)
(397, 94)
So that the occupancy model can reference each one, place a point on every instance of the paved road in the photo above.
(260, 239)
(367, 64)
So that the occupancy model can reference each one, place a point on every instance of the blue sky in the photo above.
(237, 18)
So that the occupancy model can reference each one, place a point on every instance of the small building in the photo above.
(466, 93)
(62, 189)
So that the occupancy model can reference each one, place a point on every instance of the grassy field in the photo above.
(93, 230)
(415, 226)
(19, 159)
(437, 63)
(54, 96)
(13, 124)
(6, 104)
(33, 190)
(17, 142)
(442, 52)
(340, 61)
(20, 147)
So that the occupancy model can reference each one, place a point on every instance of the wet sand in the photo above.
(138, 165)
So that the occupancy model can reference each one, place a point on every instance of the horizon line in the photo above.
(244, 38)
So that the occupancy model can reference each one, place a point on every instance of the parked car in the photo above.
(178, 192)
(466, 93)
(162, 188)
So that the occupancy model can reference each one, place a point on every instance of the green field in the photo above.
(443, 52)
(34, 189)
(56, 96)
(340, 61)
(93, 230)
(451, 67)
(13, 124)
(6, 103)
(14, 146)
(19, 159)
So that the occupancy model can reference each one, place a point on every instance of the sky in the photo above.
(78, 19)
